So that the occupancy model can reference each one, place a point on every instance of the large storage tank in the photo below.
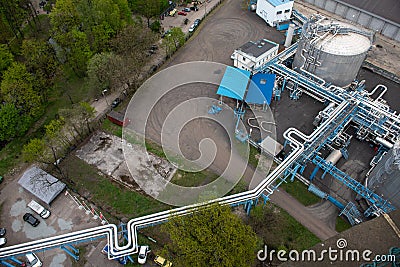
(384, 179)
(332, 50)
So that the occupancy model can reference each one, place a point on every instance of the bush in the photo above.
(156, 26)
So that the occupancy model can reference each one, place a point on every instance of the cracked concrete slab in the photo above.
(105, 152)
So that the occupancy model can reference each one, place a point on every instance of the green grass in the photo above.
(253, 156)
(10, 155)
(342, 224)
(299, 191)
(189, 179)
(280, 230)
(111, 128)
(241, 186)
(155, 149)
(114, 198)
(82, 259)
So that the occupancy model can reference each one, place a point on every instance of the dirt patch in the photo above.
(106, 152)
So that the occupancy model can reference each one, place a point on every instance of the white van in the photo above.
(36, 207)
(33, 260)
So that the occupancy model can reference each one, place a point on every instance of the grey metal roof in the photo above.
(257, 49)
(41, 184)
(388, 9)
(116, 115)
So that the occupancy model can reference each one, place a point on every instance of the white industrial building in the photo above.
(274, 11)
(253, 55)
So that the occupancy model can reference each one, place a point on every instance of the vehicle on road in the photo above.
(39, 209)
(182, 13)
(186, 9)
(162, 262)
(2, 232)
(29, 218)
(33, 260)
(196, 22)
(142, 256)
(191, 29)
(173, 12)
(116, 102)
(3, 241)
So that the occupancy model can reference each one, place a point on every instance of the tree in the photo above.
(99, 20)
(64, 18)
(39, 55)
(132, 40)
(156, 26)
(102, 70)
(35, 151)
(86, 114)
(55, 133)
(40, 60)
(173, 40)
(78, 52)
(6, 58)
(102, 19)
(211, 236)
(17, 89)
(77, 119)
(148, 8)
(177, 36)
(40, 150)
(6, 32)
(12, 13)
(11, 123)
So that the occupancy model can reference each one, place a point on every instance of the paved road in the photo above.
(302, 214)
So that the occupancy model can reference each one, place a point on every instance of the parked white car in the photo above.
(191, 29)
(3, 241)
(142, 256)
(33, 260)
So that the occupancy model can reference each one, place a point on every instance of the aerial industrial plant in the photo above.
(299, 101)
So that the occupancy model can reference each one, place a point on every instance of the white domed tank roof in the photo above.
(332, 50)
(349, 44)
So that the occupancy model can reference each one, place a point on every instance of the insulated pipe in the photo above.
(383, 89)
(334, 156)
(383, 142)
(131, 247)
(325, 113)
(111, 230)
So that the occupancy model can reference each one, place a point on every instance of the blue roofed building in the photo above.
(274, 11)
(260, 89)
(234, 83)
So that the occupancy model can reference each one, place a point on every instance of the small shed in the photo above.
(41, 184)
(270, 146)
(118, 118)
(260, 89)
